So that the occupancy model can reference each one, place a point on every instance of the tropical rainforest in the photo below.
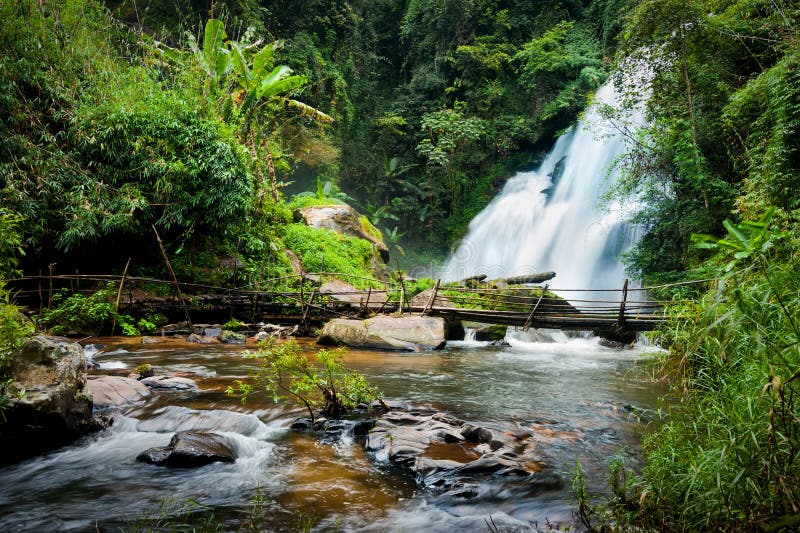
(210, 122)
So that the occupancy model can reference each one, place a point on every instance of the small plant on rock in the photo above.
(321, 381)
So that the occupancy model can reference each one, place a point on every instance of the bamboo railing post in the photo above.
(119, 295)
(432, 299)
(41, 297)
(306, 309)
(172, 274)
(533, 311)
(621, 317)
(50, 288)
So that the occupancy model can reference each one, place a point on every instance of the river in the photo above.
(582, 400)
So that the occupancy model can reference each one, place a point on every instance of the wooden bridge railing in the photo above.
(523, 306)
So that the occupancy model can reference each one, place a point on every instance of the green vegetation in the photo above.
(286, 372)
(723, 109)
(94, 314)
(727, 457)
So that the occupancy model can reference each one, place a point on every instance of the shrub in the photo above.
(286, 372)
(89, 314)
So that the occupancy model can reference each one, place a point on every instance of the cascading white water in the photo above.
(551, 219)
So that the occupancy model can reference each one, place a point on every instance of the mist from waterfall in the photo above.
(554, 218)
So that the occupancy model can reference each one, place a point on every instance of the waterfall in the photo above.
(551, 218)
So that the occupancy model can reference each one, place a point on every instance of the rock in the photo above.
(116, 391)
(384, 332)
(440, 450)
(476, 434)
(495, 332)
(342, 291)
(502, 343)
(169, 383)
(231, 337)
(201, 339)
(56, 407)
(343, 219)
(423, 298)
(212, 332)
(269, 331)
(153, 340)
(297, 265)
(615, 337)
(189, 449)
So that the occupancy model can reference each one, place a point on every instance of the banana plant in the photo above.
(251, 83)
(744, 239)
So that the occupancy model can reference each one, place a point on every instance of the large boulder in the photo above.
(343, 219)
(188, 449)
(56, 406)
(385, 332)
(116, 391)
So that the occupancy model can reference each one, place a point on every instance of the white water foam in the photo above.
(551, 219)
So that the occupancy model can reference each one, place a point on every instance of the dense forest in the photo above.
(213, 121)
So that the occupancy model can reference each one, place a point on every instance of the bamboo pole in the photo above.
(621, 317)
(172, 274)
(533, 311)
(119, 295)
(432, 299)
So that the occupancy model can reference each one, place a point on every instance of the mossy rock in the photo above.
(495, 332)
(489, 297)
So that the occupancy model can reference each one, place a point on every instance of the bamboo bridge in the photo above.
(316, 298)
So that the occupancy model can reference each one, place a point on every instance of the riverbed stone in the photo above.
(386, 332)
(189, 449)
(174, 383)
(202, 339)
(447, 454)
(116, 391)
(231, 337)
(56, 406)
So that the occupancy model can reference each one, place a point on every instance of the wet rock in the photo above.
(476, 434)
(202, 339)
(153, 340)
(452, 457)
(169, 383)
(56, 407)
(363, 427)
(502, 343)
(494, 332)
(116, 391)
(189, 449)
(231, 337)
(614, 344)
(269, 331)
(615, 337)
(384, 332)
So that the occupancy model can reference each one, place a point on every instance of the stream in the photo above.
(583, 401)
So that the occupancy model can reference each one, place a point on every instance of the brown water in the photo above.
(572, 393)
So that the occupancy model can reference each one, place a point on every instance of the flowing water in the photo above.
(583, 401)
(554, 218)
